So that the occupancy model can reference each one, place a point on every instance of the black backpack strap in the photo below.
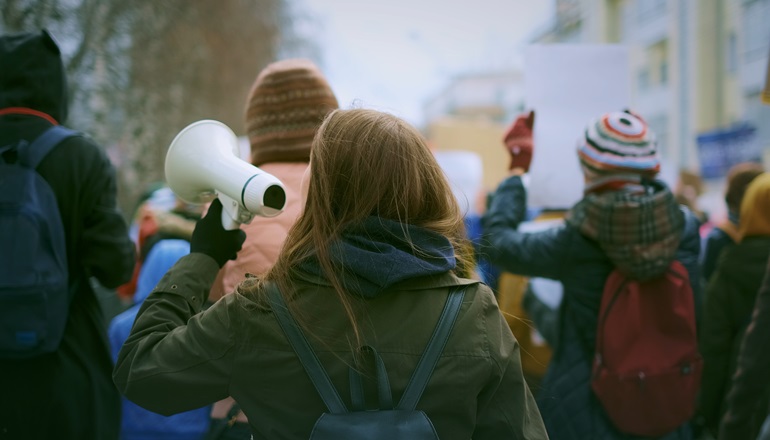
(430, 357)
(305, 352)
(30, 155)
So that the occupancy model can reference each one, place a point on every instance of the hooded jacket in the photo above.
(730, 298)
(38, 394)
(177, 358)
(640, 234)
(746, 402)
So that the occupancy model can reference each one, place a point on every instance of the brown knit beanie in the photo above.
(286, 105)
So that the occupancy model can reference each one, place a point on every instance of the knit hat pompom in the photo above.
(286, 105)
(618, 144)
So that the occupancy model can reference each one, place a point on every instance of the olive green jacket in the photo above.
(178, 358)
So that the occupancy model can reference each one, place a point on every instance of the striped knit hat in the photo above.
(286, 105)
(618, 146)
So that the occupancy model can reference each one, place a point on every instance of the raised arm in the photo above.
(176, 358)
(541, 254)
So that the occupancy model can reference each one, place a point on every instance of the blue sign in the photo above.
(720, 150)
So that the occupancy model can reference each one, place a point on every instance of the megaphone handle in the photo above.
(228, 223)
(229, 212)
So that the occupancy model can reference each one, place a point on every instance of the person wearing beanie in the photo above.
(618, 150)
(725, 234)
(627, 220)
(286, 105)
(284, 109)
(379, 250)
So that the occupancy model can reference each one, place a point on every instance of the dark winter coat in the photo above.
(69, 393)
(746, 404)
(178, 358)
(729, 302)
(715, 242)
(582, 264)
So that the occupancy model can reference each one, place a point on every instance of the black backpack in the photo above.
(388, 422)
(34, 285)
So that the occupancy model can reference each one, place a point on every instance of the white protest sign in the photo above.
(550, 292)
(568, 85)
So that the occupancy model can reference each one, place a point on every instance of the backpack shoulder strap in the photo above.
(30, 155)
(615, 284)
(305, 353)
(430, 357)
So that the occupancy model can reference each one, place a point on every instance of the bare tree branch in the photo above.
(141, 70)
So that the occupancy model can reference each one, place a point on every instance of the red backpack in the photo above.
(647, 368)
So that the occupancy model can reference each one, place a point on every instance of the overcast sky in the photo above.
(392, 55)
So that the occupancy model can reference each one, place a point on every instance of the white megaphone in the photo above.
(202, 163)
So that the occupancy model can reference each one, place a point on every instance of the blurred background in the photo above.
(141, 70)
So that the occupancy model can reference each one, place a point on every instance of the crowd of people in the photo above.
(373, 306)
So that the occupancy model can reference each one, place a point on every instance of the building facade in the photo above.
(472, 113)
(698, 68)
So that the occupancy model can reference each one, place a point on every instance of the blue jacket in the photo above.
(138, 423)
(567, 404)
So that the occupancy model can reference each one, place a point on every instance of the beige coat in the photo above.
(264, 238)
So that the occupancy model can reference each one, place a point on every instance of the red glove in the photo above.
(518, 141)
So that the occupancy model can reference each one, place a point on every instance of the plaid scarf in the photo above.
(639, 231)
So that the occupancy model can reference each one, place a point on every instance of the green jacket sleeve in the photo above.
(176, 358)
(506, 407)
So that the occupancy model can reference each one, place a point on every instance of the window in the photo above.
(643, 78)
(758, 115)
(732, 53)
(647, 10)
(658, 125)
(756, 42)
(657, 63)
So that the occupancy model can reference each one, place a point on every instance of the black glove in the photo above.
(212, 239)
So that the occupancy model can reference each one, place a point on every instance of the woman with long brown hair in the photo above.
(370, 262)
